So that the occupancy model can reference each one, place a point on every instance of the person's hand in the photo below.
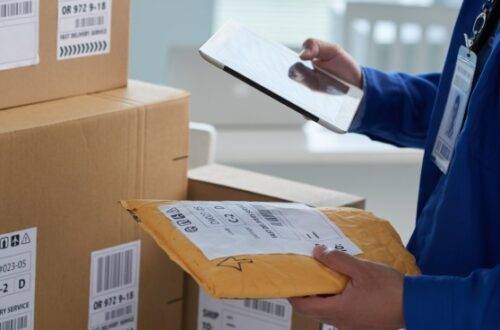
(373, 298)
(334, 59)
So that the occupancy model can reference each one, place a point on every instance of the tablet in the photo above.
(280, 73)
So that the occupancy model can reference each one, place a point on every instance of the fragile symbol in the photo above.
(232, 262)
(26, 239)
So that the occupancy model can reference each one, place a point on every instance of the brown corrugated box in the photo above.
(53, 79)
(218, 182)
(65, 165)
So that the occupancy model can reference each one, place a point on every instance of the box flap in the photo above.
(214, 181)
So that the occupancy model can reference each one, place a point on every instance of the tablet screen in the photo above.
(279, 70)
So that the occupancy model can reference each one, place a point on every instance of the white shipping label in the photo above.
(248, 314)
(84, 28)
(19, 25)
(17, 279)
(328, 327)
(114, 287)
(223, 229)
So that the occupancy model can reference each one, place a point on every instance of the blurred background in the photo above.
(251, 131)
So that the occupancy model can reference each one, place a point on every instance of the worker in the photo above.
(455, 117)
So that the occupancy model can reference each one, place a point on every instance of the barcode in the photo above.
(114, 270)
(443, 150)
(89, 21)
(119, 312)
(15, 324)
(15, 9)
(269, 216)
(266, 307)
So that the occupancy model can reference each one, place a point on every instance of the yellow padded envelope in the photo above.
(274, 275)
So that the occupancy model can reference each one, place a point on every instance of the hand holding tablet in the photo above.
(280, 73)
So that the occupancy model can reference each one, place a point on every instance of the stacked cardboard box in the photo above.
(65, 165)
(218, 182)
(59, 48)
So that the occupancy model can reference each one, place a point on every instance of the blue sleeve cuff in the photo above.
(369, 115)
(356, 122)
(427, 302)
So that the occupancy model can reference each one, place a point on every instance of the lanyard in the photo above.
(484, 25)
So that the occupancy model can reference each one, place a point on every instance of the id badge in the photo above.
(454, 112)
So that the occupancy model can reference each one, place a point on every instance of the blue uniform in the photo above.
(457, 237)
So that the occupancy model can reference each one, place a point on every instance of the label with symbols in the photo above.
(114, 287)
(17, 279)
(248, 314)
(84, 28)
(19, 25)
(223, 229)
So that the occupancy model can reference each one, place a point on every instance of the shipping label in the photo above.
(19, 25)
(84, 28)
(114, 288)
(224, 229)
(17, 279)
(248, 314)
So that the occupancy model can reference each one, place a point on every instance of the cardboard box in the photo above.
(217, 182)
(52, 50)
(65, 165)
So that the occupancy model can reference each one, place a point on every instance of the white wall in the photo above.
(159, 24)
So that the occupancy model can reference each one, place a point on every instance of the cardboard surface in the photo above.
(65, 165)
(214, 182)
(219, 182)
(53, 79)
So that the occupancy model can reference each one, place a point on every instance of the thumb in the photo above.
(338, 261)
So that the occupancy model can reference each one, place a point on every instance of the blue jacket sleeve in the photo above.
(445, 302)
(396, 107)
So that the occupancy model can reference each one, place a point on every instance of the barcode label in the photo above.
(269, 216)
(114, 284)
(89, 21)
(84, 28)
(15, 324)
(114, 271)
(17, 279)
(16, 9)
(266, 307)
(247, 314)
(119, 312)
